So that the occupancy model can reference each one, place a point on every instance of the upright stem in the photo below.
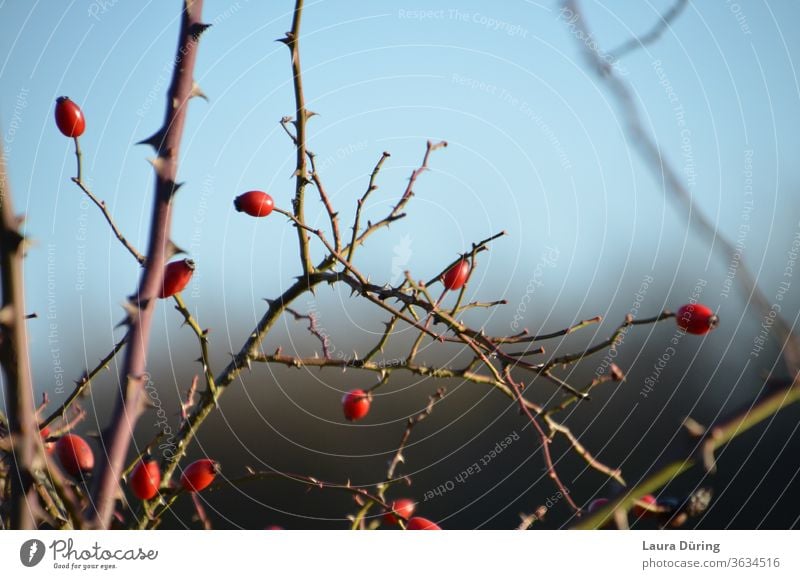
(22, 425)
(131, 400)
(292, 40)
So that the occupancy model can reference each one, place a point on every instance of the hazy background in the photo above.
(536, 148)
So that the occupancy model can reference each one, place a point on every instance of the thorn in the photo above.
(157, 163)
(198, 29)
(173, 249)
(153, 140)
(310, 114)
(197, 92)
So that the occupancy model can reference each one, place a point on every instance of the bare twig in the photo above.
(714, 438)
(292, 40)
(652, 35)
(313, 329)
(548, 459)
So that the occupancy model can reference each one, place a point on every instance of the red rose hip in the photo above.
(422, 524)
(597, 504)
(642, 510)
(177, 275)
(199, 475)
(75, 454)
(145, 479)
(455, 277)
(355, 404)
(402, 507)
(696, 318)
(69, 118)
(254, 203)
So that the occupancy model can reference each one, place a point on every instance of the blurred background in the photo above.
(537, 147)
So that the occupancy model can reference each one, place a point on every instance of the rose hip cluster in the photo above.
(76, 456)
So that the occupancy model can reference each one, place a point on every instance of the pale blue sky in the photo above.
(536, 148)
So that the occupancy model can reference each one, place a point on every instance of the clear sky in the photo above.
(536, 148)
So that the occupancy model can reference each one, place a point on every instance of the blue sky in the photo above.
(536, 148)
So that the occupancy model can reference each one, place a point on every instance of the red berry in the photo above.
(403, 507)
(455, 277)
(274, 528)
(145, 479)
(355, 404)
(642, 510)
(69, 118)
(177, 275)
(597, 504)
(254, 203)
(199, 475)
(75, 454)
(696, 318)
(45, 434)
(422, 524)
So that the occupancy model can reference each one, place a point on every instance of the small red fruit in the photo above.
(597, 504)
(254, 203)
(69, 118)
(145, 479)
(403, 507)
(75, 454)
(199, 475)
(45, 434)
(642, 510)
(355, 404)
(422, 524)
(177, 275)
(455, 277)
(696, 318)
(274, 528)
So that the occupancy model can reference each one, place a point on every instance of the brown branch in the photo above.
(363, 199)
(22, 430)
(651, 35)
(292, 40)
(629, 321)
(313, 329)
(548, 459)
(333, 216)
(397, 212)
(614, 473)
(82, 384)
(410, 425)
(131, 402)
(104, 210)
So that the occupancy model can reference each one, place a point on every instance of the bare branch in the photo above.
(131, 402)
